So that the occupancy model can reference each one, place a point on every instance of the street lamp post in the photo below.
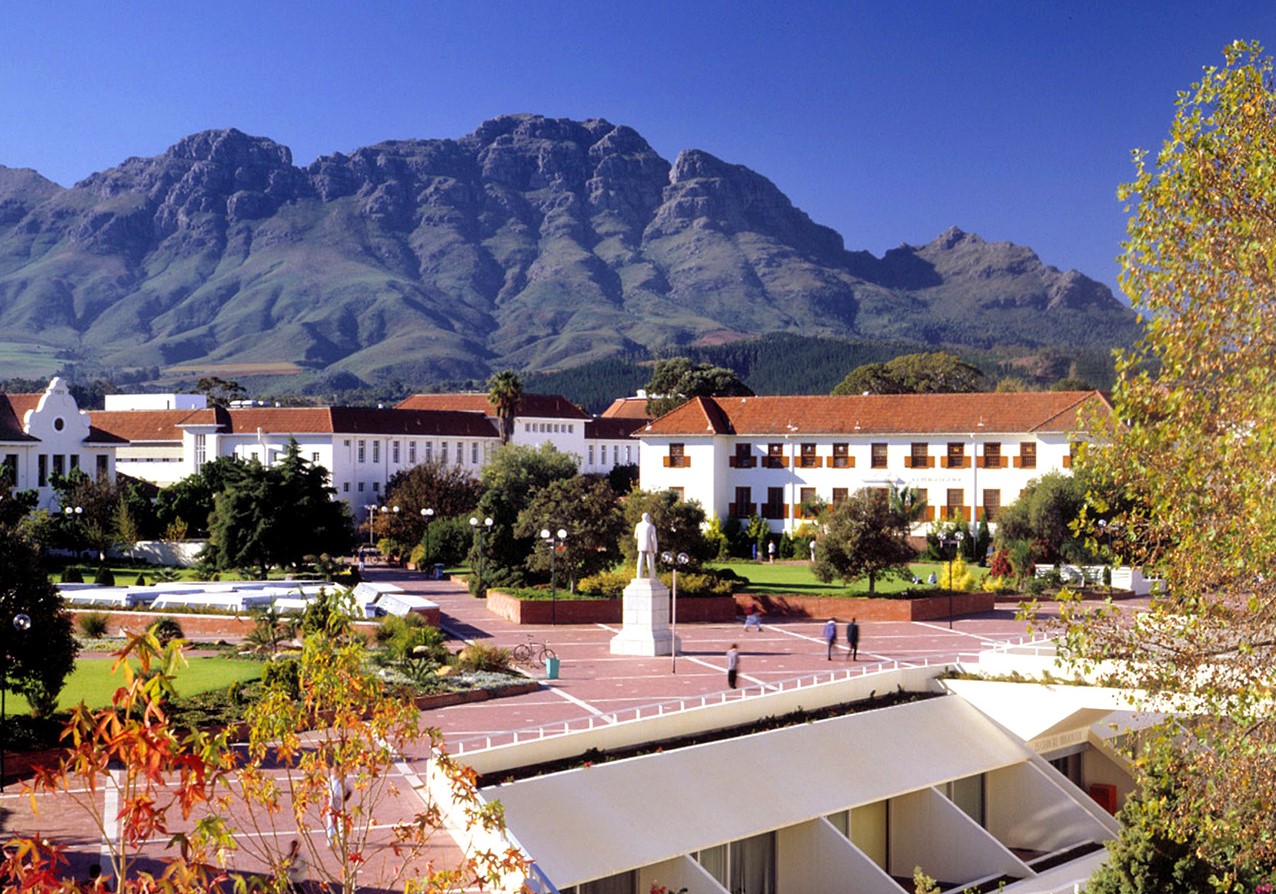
(21, 624)
(372, 519)
(72, 515)
(955, 543)
(673, 562)
(427, 515)
(487, 525)
(553, 552)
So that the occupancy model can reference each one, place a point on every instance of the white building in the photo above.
(361, 448)
(968, 454)
(47, 434)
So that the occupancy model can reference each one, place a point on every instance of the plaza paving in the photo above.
(593, 686)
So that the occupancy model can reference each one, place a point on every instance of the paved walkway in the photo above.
(592, 683)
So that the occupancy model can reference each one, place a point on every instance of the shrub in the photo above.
(104, 577)
(607, 585)
(961, 580)
(997, 584)
(166, 630)
(92, 624)
(284, 673)
(72, 575)
(141, 581)
(482, 657)
(1000, 565)
(708, 584)
(1035, 586)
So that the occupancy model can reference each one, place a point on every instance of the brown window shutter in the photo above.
(1018, 462)
(666, 462)
(1067, 461)
(731, 464)
(930, 462)
(908, 462)
(943, 462)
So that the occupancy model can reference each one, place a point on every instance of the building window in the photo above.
(678, 493)
(201, 451)
(429, 451)
(42, 470)
(840, 495)
(11, 468)
(918, 455)
(362, 451)
(744, 458)
(376, 487)
(75, 461)
(956, 455)
(591, 454)
(629, 453)
(376, 451)
(394, 447)
(806, 502)
(443, 452)
(878, 460)
(992, 504)
(743, 505)
(954, 509)
(59, 464)
(345, 487)
(460, 455)
(1027, 455)
(992, 455)
(842, 458)
(314, 457)
(677, 458)
(774, 507)
(807, 458)
(346, 442)
(474, 453)
(412, 453)
(360, 487)
(103, 464)
(775, 458)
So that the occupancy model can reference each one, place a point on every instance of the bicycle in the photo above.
(532, 653)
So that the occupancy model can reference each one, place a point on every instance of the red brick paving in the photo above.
(594, 682)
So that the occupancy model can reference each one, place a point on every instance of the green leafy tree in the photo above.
(41, 657)
(677, 380)
(587, 509)
(1195, 452)
(932, 373)
(1045, 515)
(447, 488)
(190, 501)
(509, 482)
(679, 526)
(277, 516)
(865, 537)
(504, 392)
(220, 392)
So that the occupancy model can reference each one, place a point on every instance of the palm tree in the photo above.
(504, 391)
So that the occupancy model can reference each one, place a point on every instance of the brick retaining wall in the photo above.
(700, 609)
(926, 608)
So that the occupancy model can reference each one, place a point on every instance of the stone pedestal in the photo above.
(646, 628)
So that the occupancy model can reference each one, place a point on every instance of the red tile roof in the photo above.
(627, 408)
(140, 425)
(12, 408)
(541, 406)
(885, 414)
(613, 429)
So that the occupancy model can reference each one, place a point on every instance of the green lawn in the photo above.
(93, 681)
(796, 578)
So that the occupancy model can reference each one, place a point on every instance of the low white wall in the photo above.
(929, 831)
(1123, 578)
(816, 859)
(736, 712)
(164, 552)
(1024, 810)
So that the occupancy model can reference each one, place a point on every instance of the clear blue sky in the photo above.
(888, 121)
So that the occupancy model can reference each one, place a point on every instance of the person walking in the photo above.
(770, 551)
(830, 636)
(753, 620)
(733, 664)
(853, 641)
(296, 866)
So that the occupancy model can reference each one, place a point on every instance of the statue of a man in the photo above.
(645, 534)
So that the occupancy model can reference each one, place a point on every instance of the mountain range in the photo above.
(532, 243)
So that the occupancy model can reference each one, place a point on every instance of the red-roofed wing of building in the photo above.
(531, 406)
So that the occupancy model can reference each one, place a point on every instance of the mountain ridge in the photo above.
(530, 243)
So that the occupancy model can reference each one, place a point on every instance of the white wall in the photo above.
(1023, 809)
(929, 831)
(815, 858)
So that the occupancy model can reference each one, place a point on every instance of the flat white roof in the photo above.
(597, 821)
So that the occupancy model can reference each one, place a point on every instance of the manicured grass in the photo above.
(796, 578)
(93, 681)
